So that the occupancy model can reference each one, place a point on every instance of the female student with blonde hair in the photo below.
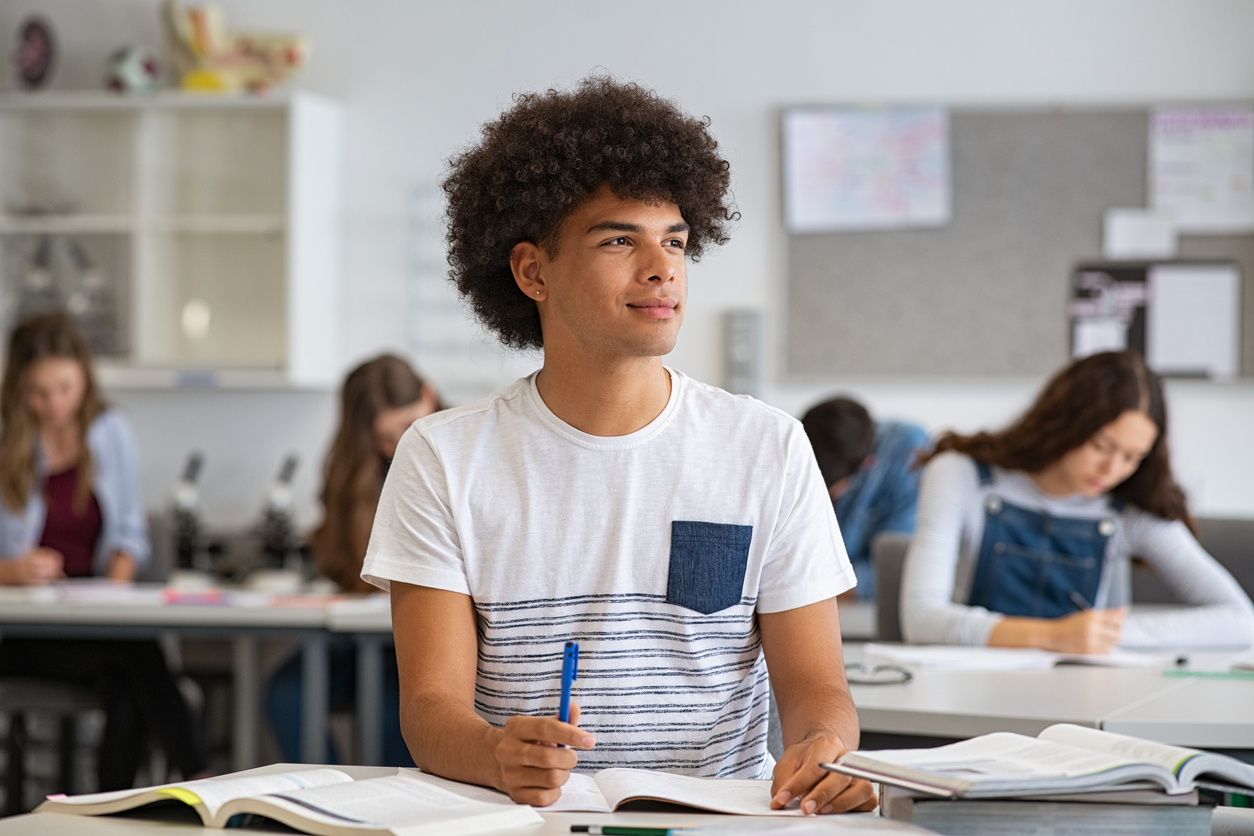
(70, 506)
(1024, 536)
(380, 400)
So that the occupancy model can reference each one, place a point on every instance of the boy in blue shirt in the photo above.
(869, 469)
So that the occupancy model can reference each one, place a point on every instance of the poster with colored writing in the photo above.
(858, 169)
(1202, 168)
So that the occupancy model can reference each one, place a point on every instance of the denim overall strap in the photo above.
(1037, 565)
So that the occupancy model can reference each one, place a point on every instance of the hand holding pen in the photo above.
(537, 754)
(1088, 630)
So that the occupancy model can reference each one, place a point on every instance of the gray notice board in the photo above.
(986, 294)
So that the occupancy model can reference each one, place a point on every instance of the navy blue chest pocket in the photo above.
(707, 565)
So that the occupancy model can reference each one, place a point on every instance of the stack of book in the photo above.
(1069, 779)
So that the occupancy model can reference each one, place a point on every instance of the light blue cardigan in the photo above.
(116, 486)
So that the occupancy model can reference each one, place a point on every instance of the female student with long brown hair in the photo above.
(1024, 536)
(380, 400)
(70, 506)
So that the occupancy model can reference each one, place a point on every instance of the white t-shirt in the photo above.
(653, 550)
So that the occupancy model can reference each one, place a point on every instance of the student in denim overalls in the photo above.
(1025, 536)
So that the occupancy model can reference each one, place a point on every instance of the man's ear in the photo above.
(524, 263)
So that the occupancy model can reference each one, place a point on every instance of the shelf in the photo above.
(65, 224)
(224, 224)
(62, 100)
(107, 224)
(214, 220)
(114, 375)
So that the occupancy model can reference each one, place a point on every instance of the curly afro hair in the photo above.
(545, 156)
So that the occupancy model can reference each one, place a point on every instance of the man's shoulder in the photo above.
(741, 410)
(473, 416)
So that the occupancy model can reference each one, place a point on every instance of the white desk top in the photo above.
(1205, 713)
(1132, 701)
(146, 605)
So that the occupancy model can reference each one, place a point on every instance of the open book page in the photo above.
(215, 793)
(402, 804)
(580, 794)
(739, 796)
(1185, 764)
(472, 792)
(1005, 761)
(212, 793)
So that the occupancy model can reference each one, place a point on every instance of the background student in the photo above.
(71, 507)
(1024, 536)
(380, 400)
(870, 469)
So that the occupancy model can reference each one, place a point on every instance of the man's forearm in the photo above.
(447, 739)
(822, 714)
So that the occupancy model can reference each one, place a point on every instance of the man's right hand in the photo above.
(1087, 631)
(35, 568)
(533, 764)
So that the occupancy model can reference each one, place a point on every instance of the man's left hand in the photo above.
(798, 775)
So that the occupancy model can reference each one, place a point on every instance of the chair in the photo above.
(20, 695)
(888, 553)
(1229, 541)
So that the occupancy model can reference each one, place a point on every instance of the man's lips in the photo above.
(655, 308)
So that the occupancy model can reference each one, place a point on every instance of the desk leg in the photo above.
(370, 698)
(247, 700)
(314, 679)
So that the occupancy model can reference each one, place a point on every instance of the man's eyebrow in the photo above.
(618, 226)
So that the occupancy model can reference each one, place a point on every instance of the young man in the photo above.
(870, 473)
(682, 535)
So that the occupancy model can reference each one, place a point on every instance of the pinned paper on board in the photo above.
(1201, 168)
(851, 169)
(1183, 318)
(1137, 234)
(1193, 320)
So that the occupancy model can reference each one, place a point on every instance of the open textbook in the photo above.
(974, 658)
(609, 789)
(1062, 759)
(324, 802)
(328, 802)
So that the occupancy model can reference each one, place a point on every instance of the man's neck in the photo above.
(605, 398)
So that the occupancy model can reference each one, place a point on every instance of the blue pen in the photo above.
(570, 672)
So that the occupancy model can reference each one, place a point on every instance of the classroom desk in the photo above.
(1207, 713)
(145, 616)
(1202, 712)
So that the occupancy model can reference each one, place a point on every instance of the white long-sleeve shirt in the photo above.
(941, 562)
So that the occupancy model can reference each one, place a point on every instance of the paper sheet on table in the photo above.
(1193, 319)
(847, 169)
(965, 658)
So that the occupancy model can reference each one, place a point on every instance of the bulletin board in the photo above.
(987, 293)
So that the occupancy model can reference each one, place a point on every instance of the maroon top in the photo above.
(72, 534)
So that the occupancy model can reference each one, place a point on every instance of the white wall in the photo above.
(418, 78)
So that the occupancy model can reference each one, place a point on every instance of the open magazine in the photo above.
(323, 802)
(1061, 759)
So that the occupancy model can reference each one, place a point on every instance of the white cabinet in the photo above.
(197, 236)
